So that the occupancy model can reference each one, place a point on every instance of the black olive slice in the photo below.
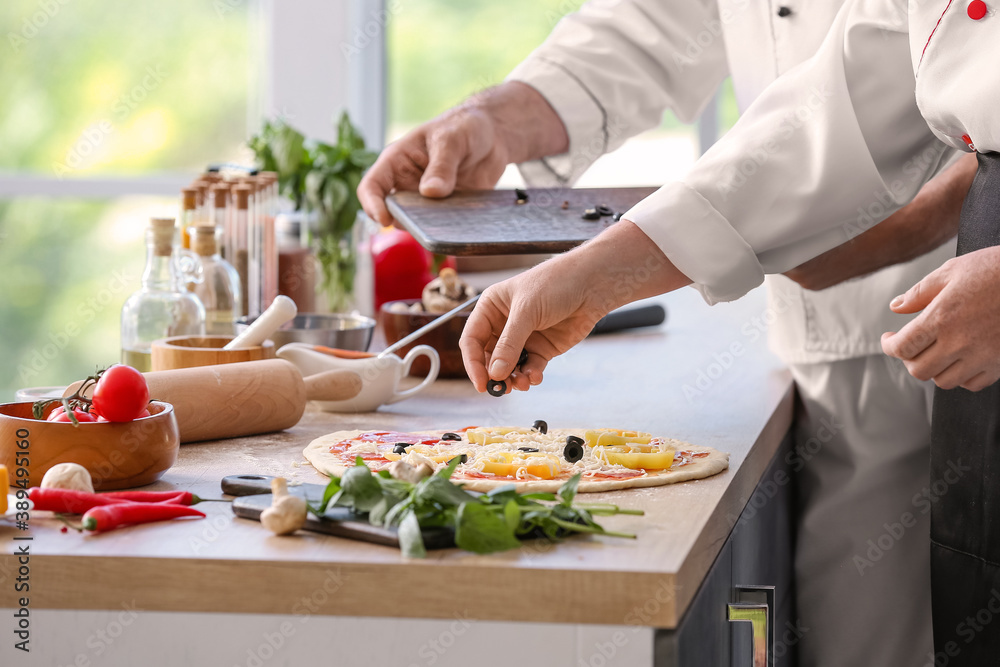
(496, 387)
(527, 449)
(573, 451)
(617, 216)
(603, 210)
(591, 214)
(540, 426)
(451, 436)
(522, 195)
(462, 458)
(400, 447)
(523, 359)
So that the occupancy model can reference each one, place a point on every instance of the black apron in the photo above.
(965, 487)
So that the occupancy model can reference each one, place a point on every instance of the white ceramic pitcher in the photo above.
(380, 376)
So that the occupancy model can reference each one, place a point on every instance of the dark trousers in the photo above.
(965, 481)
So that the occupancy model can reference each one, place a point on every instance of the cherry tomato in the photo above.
(121, 394)
(144, 413)
(402, 266)
(59, 415)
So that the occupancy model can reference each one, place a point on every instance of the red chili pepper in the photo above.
(108, 517)
(68, 501)
(174, 497)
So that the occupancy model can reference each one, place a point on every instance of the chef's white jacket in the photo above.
(831, 148)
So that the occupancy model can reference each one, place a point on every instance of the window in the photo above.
(103, 101)
(440, 52)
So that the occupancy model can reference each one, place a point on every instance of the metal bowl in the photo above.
(344, 332)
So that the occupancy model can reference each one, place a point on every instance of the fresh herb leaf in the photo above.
(447, 471)
(512, 514)
(568, 490)
(440, 490)
(411, 540)
(483, 530)
(361, 485)
(539, 496)
(504, 491)
(332, 489)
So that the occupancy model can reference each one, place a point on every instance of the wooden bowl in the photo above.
(118, 456)
(444, 339)
(192, 351)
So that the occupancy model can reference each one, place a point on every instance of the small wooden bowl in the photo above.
(118, 456)
(192, 351)
(444, 339)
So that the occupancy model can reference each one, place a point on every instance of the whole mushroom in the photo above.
(445, 292)
(287, 513)
(71, 476)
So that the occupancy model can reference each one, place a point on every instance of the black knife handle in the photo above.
(631, 318)
(246, 485)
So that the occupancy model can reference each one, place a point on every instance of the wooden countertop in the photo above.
(630, 380)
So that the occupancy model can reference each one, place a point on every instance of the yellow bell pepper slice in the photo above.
(507, 464)
(4, 489)
(606, 437)
(660, 460)
(487, 436)
(542, 470)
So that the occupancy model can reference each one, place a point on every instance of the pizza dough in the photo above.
(332, 454)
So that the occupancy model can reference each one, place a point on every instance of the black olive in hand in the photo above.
(496, 387)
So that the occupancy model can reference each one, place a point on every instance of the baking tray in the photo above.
(491, 222)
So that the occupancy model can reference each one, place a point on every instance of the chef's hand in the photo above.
(467, 147)
(956, 339)
(552, 307)
(921, 226)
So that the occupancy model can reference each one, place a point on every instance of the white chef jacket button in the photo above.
(977, 9)
(787, 11)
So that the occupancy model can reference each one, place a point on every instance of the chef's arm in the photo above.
(611, 69)
(827, 151)
(921, 226)
(830, 148)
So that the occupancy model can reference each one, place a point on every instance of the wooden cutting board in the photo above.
(491, 222)
(254, 496)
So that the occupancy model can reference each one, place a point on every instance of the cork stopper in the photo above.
(162, 235)
(220, 196)
(242, 193)
(189, 199)
(204, 240)
(202, 188)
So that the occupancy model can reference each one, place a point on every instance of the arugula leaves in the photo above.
(487, 523)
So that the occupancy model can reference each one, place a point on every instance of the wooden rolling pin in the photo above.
(247, 398)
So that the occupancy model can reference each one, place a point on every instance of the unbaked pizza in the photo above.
(533, 459)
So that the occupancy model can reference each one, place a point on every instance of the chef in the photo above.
(721, 228)
(609, 72)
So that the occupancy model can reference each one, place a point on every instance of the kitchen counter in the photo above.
(705, 376)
